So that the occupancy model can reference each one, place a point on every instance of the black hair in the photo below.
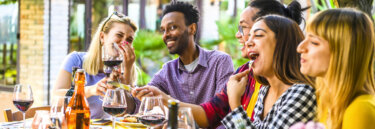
(293, 11)
(190, 12)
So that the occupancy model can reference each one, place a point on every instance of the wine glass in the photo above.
(111, 57)
(185, 118)
(152, 111)
(23, 99)
(41, 120)
(114, 103)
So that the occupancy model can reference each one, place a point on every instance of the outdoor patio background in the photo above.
(37, 69)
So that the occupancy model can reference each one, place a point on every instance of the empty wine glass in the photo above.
(114, 103)
(41, 120)
(185, 118)
(152, 111)
(23, 99)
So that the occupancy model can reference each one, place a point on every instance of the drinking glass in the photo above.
(111, 57)
(185, 118)
(57, 112)
(152, 111)
(41, 120)
(23, 99)
(114, 103)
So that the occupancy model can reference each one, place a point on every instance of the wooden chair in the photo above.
(17, 116)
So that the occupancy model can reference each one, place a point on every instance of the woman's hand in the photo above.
(128, 53)
(98, 89)
(236, 87)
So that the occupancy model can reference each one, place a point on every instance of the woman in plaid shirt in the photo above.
(285, 98)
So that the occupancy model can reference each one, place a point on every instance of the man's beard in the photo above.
(182, 45)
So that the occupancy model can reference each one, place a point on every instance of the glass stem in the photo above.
(113, 122)
(24, 120)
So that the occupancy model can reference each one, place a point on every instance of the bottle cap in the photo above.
(173, 102)
(80, 70)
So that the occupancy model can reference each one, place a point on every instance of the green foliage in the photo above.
(227, 29)
(150, 45)
(224, 5)
(322, 5)
(8, 72)
(150, 51)
(4, 2)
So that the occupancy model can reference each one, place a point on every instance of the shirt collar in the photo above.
(202, 58)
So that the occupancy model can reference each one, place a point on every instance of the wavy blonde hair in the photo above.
(93, 59)
(350, 35)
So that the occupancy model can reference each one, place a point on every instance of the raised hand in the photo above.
(129, 54)
(236, 88)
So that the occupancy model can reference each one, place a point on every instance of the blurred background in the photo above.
(36, 35)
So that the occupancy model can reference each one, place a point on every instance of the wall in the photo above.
(31, 47)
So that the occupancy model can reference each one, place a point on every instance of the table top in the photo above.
(119, 125)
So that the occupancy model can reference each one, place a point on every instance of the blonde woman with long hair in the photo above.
(115, 29)
(339, 51)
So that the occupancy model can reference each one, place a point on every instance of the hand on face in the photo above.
(128, 53)
(236, 87)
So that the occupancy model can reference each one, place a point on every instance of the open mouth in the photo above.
(170, 43)
(253, 56)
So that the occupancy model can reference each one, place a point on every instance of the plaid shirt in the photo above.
(296, 104)
(218, 107)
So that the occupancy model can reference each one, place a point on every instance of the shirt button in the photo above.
(191, 92)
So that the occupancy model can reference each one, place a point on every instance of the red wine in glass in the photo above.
(23, 105)
(112, 63)
(23, 99)
(114, 110)
(152, 119)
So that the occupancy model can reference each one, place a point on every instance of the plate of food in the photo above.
(130, 121)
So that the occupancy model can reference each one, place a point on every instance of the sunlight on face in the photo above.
(315, 55)
(262, 42)
(119, 33)
(246, 22)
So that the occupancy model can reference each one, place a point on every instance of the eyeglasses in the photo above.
(240, 29)
(114, 13)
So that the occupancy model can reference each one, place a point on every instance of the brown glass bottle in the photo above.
(78, 111)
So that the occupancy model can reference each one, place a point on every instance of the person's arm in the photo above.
(64, 76)
(359, 115)
(236, 87)
(128, 65)
(62, 83)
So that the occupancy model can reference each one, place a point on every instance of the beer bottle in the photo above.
(78, 111)
(172, 115)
